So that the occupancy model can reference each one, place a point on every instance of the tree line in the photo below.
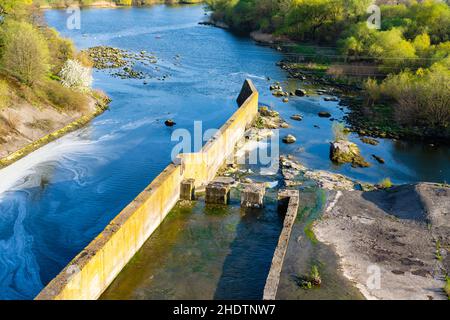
(411, 49)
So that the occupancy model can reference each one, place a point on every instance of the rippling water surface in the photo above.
(56, 200)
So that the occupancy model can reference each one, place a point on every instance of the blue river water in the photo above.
(56, 200)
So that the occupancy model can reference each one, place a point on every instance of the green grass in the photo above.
(310, 233)
(438, 250)
(386, 183)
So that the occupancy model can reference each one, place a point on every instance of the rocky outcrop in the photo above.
(343, 151)
(330, 181)
(292, 171)
(269, 119)
(393, 244)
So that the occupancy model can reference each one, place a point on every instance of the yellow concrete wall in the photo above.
(93, 270)
(203, 165)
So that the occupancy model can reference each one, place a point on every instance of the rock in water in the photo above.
(297, 117)
(343, 151)
(324, 114)
(169, 123)
(289, 139)
(379, 159)
(300, 92)
(370, 141)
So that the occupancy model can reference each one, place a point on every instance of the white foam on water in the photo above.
(15, 175)
(19, 270)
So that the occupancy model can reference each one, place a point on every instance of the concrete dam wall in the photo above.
(94, 268)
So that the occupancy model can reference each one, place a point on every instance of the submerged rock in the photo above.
(379, 159)
(297, 117)
(300, 92)
(343, 151)
(370, 141)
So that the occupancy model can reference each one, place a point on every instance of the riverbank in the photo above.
(334, 56)
(110, 4)
(22, 143)
(402, 230)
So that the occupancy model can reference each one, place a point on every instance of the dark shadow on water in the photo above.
(247, 265)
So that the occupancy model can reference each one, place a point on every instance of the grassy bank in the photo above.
(101, 106)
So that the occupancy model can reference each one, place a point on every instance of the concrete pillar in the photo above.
(187, 191)
(217, 193)
(252, 196)
(283, 199)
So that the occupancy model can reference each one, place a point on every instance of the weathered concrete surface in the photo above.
(187, 191)
(273, 279)
(394, 230)
(91, 271)
(252, 196)
(217, 193)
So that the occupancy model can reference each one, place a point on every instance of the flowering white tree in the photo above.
(74, 75)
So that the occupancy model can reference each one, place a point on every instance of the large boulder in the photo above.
(343, 151)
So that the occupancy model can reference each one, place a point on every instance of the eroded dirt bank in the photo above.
(403, 231)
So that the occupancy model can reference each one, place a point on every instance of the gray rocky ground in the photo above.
(403, 232)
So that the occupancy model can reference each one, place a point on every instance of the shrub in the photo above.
(60, 49)
(4, 94)
(422, 98)
(25, 53)
(339, 131)
(386, 183)
(315, 276)
(74, 75)
(64, 98)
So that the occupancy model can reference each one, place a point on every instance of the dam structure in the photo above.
(90, 273)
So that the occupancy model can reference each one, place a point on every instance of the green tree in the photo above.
(25, 54)
(393, 50)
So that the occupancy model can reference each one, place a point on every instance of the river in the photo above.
(56, 200)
